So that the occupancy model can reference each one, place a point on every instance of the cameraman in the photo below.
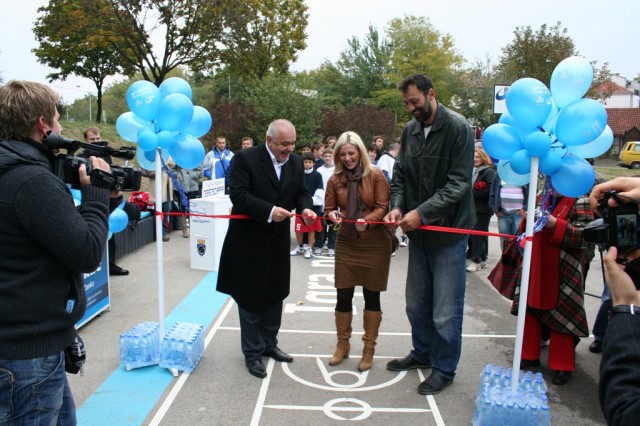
(46, 244)
(620, 364)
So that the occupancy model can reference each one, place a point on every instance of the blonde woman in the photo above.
(483, 176)
(356, 195)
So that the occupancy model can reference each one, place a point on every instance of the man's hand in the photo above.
(280, 214)
(410, 221)
(309, 217)
(393, 218)
(96, 163)
(623, 291)
(625, 186)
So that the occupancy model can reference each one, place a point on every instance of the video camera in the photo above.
(66, 165)
(618, 226)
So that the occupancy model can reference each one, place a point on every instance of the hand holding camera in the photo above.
(98, 166)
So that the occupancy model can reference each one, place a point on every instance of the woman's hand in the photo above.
(335, 217)
(361, 225)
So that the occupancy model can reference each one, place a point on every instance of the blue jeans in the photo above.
(508, 224)
(436, 283)
(35, 392)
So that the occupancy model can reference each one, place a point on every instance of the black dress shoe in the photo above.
(596, 346)
(529, 363)
(434, 384)
(116, 270)
(406, 363)
(256, 368)
(561, 377)
(278, 354)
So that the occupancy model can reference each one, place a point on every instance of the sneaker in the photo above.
(298, 250)
(483, 265)
(331, 253)
(473, 267)
(307, 252)
(404, 241)
(393, 254)
(317, 251)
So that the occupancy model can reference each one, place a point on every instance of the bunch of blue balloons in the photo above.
(164, 118)
(558, 126)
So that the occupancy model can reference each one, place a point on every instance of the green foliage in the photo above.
(285, 97)
(264, 38)
(474, 93)
(535, 54)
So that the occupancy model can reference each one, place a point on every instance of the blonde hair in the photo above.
(22, 103)
(486, 160)
(351, 138)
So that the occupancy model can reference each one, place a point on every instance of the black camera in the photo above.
(66, 166)
(618, 226)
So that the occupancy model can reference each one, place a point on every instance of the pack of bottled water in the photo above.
(498, 403)
(182, 346)
(140, 346)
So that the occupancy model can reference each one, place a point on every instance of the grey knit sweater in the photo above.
(45, 245)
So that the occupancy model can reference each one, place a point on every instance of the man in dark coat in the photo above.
(267, 183)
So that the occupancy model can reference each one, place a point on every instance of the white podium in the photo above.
(207, 234)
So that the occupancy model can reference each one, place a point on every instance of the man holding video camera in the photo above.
(620, 364)
(46, 244)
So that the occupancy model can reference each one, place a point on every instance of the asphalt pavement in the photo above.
(220, 391)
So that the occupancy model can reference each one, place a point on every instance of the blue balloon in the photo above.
(175, 112)
(187, 152)
(575, 177)
(75, 193)
(570, 80)
(501, 141)
(529, 102)
(550, 162)
(147, 140)
(596, 147)
(521, 162)
(506, 118)
(549, 124)
(143, 99)
(166, 139)
(118, 220)
(129, 125)
(581, 122)
(175, 85)
(537, 143)
(508, 175)
(147, 159)
(200, 122)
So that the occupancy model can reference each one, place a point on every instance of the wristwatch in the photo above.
(624, 309)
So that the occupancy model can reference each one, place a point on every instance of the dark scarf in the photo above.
(355, 207)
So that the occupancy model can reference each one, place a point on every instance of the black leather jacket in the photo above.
(433, 176)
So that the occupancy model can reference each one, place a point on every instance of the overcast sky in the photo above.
(606, 31)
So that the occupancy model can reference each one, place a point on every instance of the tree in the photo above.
(365, 65)
(474, 93)
(75, 49)
(284, 96)
(418, 47)
(264, 38)
(535, 54)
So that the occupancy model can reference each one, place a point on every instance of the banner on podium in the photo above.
(211, 188)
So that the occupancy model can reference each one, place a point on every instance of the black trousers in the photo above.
(479, 244)
(259, 330)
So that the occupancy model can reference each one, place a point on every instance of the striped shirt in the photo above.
(511, 198)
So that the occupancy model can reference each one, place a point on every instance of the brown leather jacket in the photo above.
(374, 192)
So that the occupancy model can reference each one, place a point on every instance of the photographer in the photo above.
(619, 367)
(46, 244)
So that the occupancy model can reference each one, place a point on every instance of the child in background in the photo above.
(313, 179)
(327, 234)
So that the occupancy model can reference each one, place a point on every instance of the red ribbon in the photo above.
(424, 227)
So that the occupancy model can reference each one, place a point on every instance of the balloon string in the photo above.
(421, 227)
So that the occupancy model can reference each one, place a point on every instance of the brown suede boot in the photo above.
(343, 330)
(371, 325)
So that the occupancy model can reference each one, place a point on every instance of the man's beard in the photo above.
(422, 113)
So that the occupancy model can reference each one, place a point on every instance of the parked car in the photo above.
(630, 155)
